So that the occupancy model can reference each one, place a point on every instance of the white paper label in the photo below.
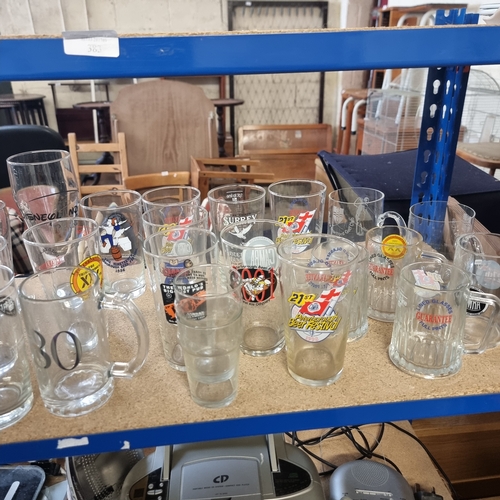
(93, 46)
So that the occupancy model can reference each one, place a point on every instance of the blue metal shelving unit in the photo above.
(24, 59)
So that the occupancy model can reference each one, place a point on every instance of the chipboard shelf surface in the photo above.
(155, 408)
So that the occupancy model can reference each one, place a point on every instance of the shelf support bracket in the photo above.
(442, 115)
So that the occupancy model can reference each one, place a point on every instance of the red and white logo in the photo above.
(302, 222)
(324, 304)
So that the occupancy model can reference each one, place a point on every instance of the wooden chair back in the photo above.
(118, 170)
(166, 122)
(289, 151)
(206, 171)
(150, 181)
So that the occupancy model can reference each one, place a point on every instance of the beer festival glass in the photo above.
(299, 204)
(235, 203)
(160, 219)
(251, 249)
(180, 196)
(353, 211)
(167, 254)
(118, 214)
(317, 294)
(44, 185)
(70, 241)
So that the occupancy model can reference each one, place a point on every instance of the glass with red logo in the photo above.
(299, 204)
(316, 276)
(234, 203)
(168, 253)
(390, 248)
(250, 247)
(429, 324)
(160, 219)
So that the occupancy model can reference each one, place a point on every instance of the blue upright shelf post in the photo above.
(442, 115)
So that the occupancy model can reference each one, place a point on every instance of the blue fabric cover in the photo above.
(393, 173)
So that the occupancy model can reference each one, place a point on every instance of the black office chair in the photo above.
(21, 138)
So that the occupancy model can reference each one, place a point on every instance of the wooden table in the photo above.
(103, 123)
(28, 107)
(220, 104)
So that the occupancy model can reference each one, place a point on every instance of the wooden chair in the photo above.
(204, 170)
(150, 181)
(288, 151)
(166, 122)
(482, 154)
(118, 170)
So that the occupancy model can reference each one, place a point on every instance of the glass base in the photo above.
(83, 405)
(381, 316)
(315, 383)
(262, 340)
(420, 371)
(130, 286)
(359, 333)
(13, 416)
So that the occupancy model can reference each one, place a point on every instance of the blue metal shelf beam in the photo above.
(23, 59)
(250, 426)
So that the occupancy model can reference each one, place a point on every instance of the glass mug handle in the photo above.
(129, 308)
(390, 215)
(490, 300)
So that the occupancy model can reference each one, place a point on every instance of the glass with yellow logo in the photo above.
(429, 325)
(299, 204)
(317, 293)
(70, 241)
(389, 248)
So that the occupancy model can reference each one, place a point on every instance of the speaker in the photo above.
(363, 479)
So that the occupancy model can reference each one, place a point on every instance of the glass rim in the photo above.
(166, 204)
(32, 229)
(271, 222)
(413, 207)
(255, 187)
(238, 282)
(158, 207)
(465, 280)
(311, 182)
(11, 277)
(207, 232)
(112, 192)
(381, 194)
(11, 159)
(303, 265)
(69, 269)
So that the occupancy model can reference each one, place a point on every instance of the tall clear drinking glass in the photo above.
(44, 185)
(118, 214)
(208, 302)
